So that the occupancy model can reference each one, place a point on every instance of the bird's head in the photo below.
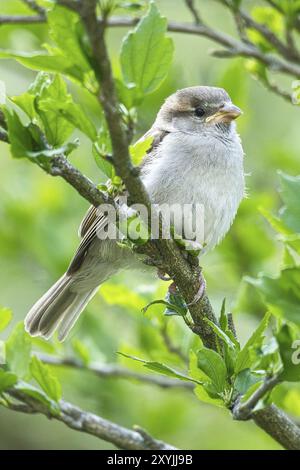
(198, 109)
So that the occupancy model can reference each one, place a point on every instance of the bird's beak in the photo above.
(227, 113)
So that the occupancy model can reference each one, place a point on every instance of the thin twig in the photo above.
(263, 29)
(21, 19)
(273, 87)
(244, 410)
(237, 48)
(84, 421)
(35, 7)
(116, 371)
(171, 346)
(191, 6)
(61, 166)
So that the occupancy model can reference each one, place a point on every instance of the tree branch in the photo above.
(278, 425)
(60, 166)
(22, 19)
(32, 4)
(236, 48)
(116, 371)
(244, 410)
(283, 49)
(83, 421)
(191, 6)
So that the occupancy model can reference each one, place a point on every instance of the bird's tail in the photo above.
(59, 308)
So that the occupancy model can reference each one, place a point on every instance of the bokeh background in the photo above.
(38, 234)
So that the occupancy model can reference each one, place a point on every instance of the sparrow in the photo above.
(196, 157)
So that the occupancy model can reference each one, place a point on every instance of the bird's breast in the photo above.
(204, 175)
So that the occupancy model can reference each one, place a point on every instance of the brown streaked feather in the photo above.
(89, 236)
(87, 221)
(94, 221)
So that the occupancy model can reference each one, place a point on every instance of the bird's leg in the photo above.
(201, 291)
(162, 275)
(172, 289)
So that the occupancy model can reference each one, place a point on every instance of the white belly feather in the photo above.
(206, 171)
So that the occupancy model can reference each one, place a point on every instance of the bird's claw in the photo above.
(200, 293)
(174, 291)
(162, 275)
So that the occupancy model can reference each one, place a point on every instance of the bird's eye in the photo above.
(199, 112)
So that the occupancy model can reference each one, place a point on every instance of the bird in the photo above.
(196, 157)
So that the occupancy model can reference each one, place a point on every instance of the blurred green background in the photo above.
(38, 235)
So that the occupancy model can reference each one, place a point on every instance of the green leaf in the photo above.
(267, 357)
(288, 258)
(39, 395)
(43, 345)
(269, 17)
(21, 140)
(194, 370)
(103, 164)
(202, 394)
(53, 92)
(161, 368)
(244, 380)
(275, 222)
(70, 56)
(67, 32)
(231, 345)
(290, 194)
(139, 150)
(176, 304)
(46, 380)
(281, 294)
(147, 53)
(38, 60)
(18, 350)
(289, 347)
(26, 102)
(51, 108)
(53, 99)
(257, 69)
(5, 317)
(221, 334)
(212, 364)
(296, 93)
(7, 380)
(50, 153)
(126, 93)
(101, 149)
(252, 389)
(172, 309)
(256, 339)
(68, 111)
(223, 317)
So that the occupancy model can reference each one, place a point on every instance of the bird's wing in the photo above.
(158, 136)
(87, 221)
(94, 220)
